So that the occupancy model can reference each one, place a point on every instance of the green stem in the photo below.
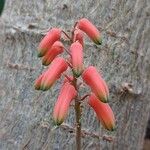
(78, 119)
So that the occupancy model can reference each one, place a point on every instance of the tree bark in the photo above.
(123, 58)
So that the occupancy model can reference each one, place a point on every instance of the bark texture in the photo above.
(124, 60)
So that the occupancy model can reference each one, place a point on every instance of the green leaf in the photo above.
(2, 2)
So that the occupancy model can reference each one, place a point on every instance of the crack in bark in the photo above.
(85, 133)
(19, 66)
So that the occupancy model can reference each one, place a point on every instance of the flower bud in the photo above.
(86, 26)
(67, 94)
(99, 87)
(76, 50)
(56, 49)
(103, 111)
(57, 67)
(37, 84)
(52, 36)
(78, 36)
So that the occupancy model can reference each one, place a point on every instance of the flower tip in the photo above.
(44, 88)
(37, 84)
(36, 87)
(45, 63)
(77, 73)
(39, 54)
(111, 128)
(58, 122)
(104, 99)
(98, 41)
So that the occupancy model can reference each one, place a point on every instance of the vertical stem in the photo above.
(78, 119)
(78, 124)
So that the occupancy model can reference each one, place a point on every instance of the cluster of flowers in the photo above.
(49, 49)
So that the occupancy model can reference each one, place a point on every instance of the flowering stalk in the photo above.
(78, 117)
(49, 48)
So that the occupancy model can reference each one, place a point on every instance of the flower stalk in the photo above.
(78, 117)
(49, 49)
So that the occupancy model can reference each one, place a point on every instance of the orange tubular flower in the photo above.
(67, 94)
(103, 111)
(52, 36)
(86, 26)
(78, 36)
(54, 72)
(92, 78)
(56, 49)
(76, 50)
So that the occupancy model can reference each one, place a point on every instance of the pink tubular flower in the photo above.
(67, 94)
(54, 72)
(78, 36)
(99, 87)
(103, 111)
(52, 36)
(76, 50)
(86, 26)
(56, 49)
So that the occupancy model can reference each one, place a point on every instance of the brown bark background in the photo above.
(124, 60)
